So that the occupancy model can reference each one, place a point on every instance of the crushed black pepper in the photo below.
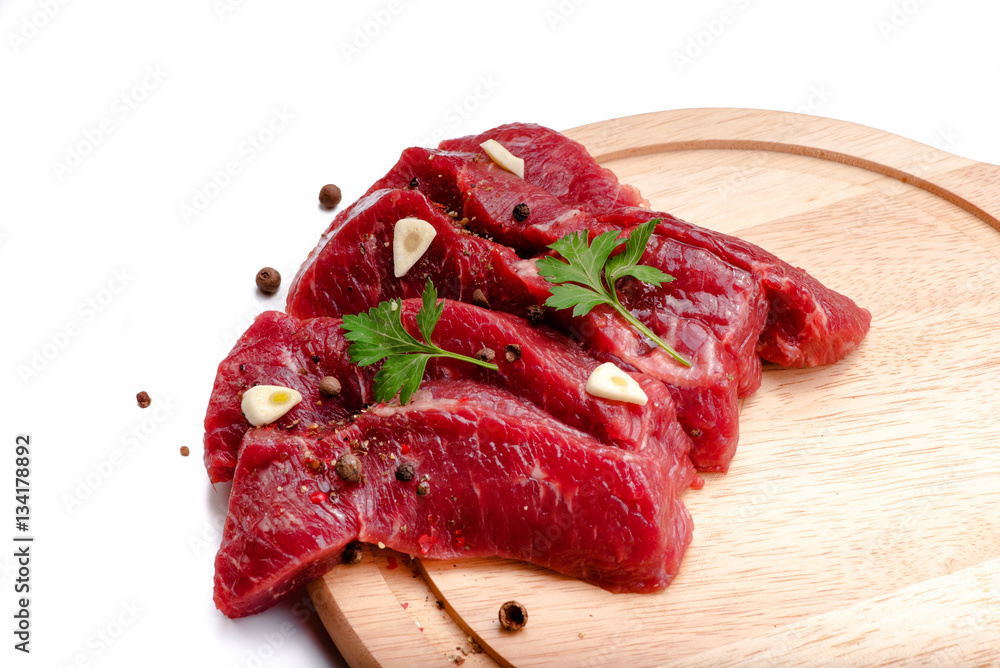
(535, 313)
(424, 488)
(405, 472)
(413, 182)
(479, 299)
(352, 554)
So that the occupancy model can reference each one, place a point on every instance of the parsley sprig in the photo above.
(379, 334)
(589, 276)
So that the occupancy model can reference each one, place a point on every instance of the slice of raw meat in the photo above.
(340, 279)
(536, 364)
(556, 164)
(808, 324)
(724, 298)
(482, 194)
(351, 269)
(495, 476)
(705, 392)
(279, 350)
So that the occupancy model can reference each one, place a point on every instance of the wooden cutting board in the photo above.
(860, 521)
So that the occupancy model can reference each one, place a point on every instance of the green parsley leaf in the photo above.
(379, 334)
(589, 277)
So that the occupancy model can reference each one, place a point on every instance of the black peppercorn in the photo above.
(405, 472)
(521, 212)
(512, 352)
(424, 488)
(413, 182)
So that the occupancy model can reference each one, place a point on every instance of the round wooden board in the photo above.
(860, 521)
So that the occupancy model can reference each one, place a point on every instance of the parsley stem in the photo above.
(463, 358)
(632, 320)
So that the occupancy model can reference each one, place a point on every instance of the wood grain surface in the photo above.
(860, 521)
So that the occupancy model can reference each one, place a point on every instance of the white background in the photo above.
(114, 117)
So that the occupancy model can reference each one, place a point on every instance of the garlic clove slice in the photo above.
(609, 382)
(263, 404)
(410, 240)
(501, 156)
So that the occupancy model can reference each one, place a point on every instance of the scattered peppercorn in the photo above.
(413, 182)
(424, 488)
(405, 472)
(535, 313)
(185, 451)
(512, 352)
(268, 280)
(329, 196)
(485, 354)
(348, 468)
(352, 554)
(479, 299)
(143, 400)
(329, 386)
(315, 359)
(521, 212)
(513, 616)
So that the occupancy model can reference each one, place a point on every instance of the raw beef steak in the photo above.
(279, 350)
(352, 271)
(557, 164)
(493, 476)
(808, 324)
